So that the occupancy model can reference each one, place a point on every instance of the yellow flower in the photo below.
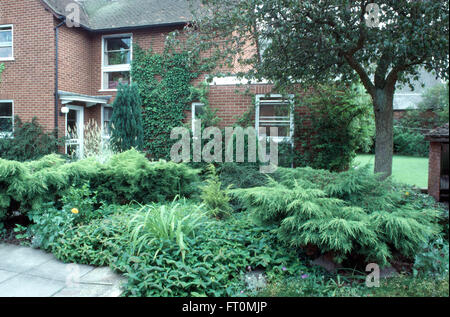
(407, 193)
(74, 210)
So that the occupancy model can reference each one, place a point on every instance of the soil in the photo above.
(10, 236)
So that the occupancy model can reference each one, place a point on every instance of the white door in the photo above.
(75, 131)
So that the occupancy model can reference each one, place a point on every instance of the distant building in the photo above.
(405, 98)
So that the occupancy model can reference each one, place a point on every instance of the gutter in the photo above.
(130, 28)
(56, 94)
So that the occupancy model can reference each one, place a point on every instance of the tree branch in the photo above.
(361, 72)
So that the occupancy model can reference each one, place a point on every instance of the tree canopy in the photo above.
(379, 42)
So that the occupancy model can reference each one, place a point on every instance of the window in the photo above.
(106, 121)
(274, 111)
(116, 61)
(197, 111)
(6, 118)
(6, 42)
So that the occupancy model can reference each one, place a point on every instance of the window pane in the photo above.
(198, 111)
(112, 79)
(5, 52)
(116, 44)
(274, 110)
(5, 36)
(117, 51)
(107, 114)
(5, 109)
(117, 58)
(275, 113)
(6, 125)
(283, 131)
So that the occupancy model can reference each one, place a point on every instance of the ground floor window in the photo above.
(197, 111)
(6, 117)
(275, 111)
(106, 121)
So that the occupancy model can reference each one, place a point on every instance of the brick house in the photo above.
(66, 75)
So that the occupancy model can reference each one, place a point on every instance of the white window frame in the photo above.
(80, 135)
(283, 100)
(104, 136)
(2, 59)
(8, 134)
(194, 104)
(115, 68)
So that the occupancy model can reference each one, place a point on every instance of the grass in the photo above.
(405, 169)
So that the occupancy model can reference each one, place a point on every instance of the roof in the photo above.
(104, 15)
(68, 97)
(439, 134)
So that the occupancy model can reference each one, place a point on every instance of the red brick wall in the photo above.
(29, 79)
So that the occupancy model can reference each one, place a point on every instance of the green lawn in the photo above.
(405, 169)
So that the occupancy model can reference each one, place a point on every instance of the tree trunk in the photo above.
(384, 121)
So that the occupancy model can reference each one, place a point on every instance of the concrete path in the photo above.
(27, 272)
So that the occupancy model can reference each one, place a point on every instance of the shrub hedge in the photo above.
(126, 177)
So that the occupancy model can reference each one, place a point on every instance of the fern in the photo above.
(216, 199)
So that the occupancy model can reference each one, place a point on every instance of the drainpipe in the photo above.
(63, 18)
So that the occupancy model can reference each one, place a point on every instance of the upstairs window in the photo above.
(6, 118)
(275, 111)
(116, 65)
(6, 42)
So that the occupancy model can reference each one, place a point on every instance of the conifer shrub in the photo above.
(126, 121)
(126, 177)
(350, 214)
(130, 176)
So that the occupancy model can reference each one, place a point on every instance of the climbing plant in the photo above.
(165, 84)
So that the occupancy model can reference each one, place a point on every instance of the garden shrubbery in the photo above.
(126, 177)
(28, 142)
(350, 214)
(410, 142)
(166, 249)
(89, 213)
(338, 124)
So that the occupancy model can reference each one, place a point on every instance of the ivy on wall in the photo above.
(165, 85)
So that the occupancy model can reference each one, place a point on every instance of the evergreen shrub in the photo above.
(347, 214)
(126, 177)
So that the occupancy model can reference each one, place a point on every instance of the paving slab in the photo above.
(29, 286)
(6, 275)
(59, 271)
(102, 275)
(89, 290)
(26, 272)
(19, 259)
